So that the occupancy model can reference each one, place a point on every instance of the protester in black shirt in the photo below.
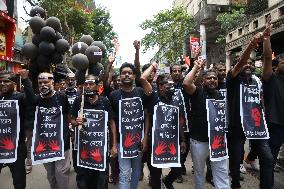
(88, 178)
(273, 90)
(163, 94)
(127, 77)
(199, 142)
(176, 74)
(7, 86)
(58, 171)
(241, 73)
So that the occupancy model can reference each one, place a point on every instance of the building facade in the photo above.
(237, 39)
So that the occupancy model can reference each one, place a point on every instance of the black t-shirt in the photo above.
(273, 93)
(119, 94)
(101, 104)
(233, 103)
(71, 94)
(58, 99)
(198, 129)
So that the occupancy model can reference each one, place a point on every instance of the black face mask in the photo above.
(90, 93)
(45, 90)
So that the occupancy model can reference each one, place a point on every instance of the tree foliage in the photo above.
(76, 21)
(228, 21)
(168, 31)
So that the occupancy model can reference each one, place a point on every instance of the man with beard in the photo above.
(129, 167)
(57, 171)
(241, 73)
(273, 92)
(88, 178)
(164, 93)
(198, 131)
(176, 74)
(7, 89)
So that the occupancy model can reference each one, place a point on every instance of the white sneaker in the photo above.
(243, 169)
(253, 165)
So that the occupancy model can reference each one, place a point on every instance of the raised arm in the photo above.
(267, 54)
(188, 82)
(148, 89)
(107, 74)
(246, 54)
(30, 96)
(136, 45)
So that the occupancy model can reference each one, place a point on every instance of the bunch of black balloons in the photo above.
(47, 46)
(87, 56)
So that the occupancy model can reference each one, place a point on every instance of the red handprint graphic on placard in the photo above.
(172, 148)
(256, 116)
(129, 140)
(84, 153)
(96, 155)
(7, 143)
(40, 147)
(161, 148)
(138, 137)
(218, 141)
(53, 145)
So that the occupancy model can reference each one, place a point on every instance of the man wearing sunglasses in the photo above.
(7, 89)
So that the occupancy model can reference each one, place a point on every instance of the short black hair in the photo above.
(206, 72)
(127, 65)
(277, 59)
(9, 75)
(161, 78)
(171, 68)
(114, 76)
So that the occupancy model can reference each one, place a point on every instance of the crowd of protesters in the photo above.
(198, 84)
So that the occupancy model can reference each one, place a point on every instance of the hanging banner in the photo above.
(216, 118)
(131, 124)
(9, 130)
(92, 140)
(252, 115)
(165, 137)
(47, 142)
(178, 100)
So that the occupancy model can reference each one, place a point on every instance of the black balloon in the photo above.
(30, 50)
(57, 58)
(79, 47)
(87, 39)
(54, 23)
(46, 48)
(47, 34)
(94, 54)
(80, 76)
(43, 63)
(36, 23)
(61, 45)
(100, 45)
(80, 61)
(96, 69)
(58, 36)
(36, 39)
(38, 11)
